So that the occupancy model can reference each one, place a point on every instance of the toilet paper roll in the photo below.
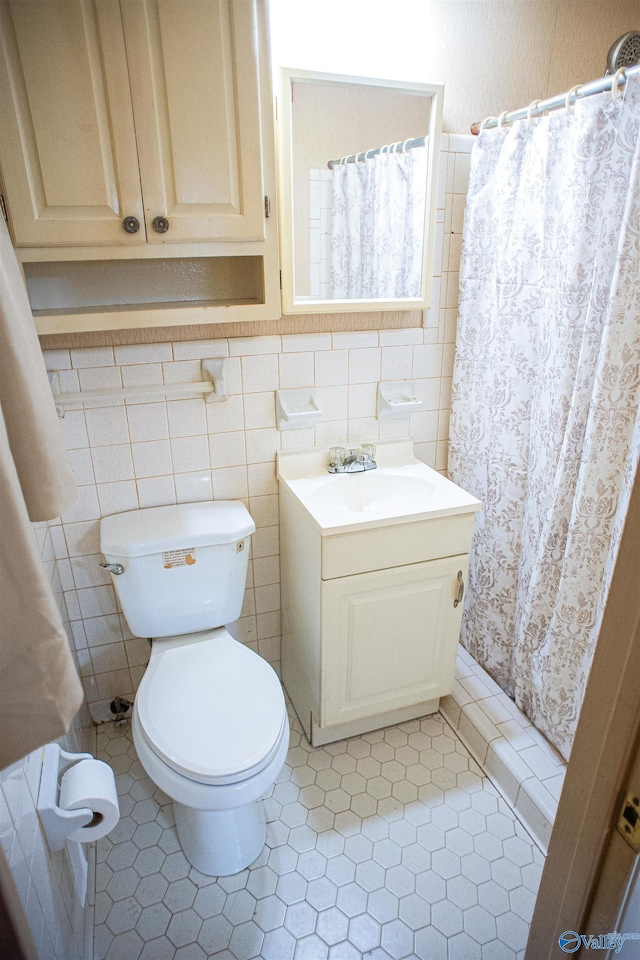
(91, 783)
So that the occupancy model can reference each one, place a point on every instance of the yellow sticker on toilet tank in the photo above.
(179, 558)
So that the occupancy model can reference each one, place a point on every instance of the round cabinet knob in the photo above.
(160, 224)
(131, 224)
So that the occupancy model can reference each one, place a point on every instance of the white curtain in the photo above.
(545, 413)
(377, 226)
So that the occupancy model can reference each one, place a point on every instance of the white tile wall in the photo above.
(145, 454)
(61, 929)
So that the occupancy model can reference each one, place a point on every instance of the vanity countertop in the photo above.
(401, 489)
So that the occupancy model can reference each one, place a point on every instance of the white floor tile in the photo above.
(392, 844)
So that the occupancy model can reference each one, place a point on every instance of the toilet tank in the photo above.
(185, 565)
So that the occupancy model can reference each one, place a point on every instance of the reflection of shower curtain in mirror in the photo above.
(378, 226)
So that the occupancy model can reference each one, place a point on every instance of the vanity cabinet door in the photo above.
(67, 144)
(389, 638)
(196, 102)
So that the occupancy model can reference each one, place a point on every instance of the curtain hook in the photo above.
(366, 156)
(404, 146)
(501, 119)
(343, 161)
(532, 107)
(615, 83)
(567, 100)
(485, 122)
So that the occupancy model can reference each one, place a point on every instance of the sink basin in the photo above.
(401, 488)
(376, 491)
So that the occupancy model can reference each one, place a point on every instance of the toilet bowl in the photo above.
(210, 723)
(210, 728)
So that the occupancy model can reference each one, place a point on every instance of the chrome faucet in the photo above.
(353, 460)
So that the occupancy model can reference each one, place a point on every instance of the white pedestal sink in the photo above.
(373, 566)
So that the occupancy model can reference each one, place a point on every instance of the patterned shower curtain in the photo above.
(377, 226)
(546, 392)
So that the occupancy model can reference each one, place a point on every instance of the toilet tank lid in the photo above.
(175, 527)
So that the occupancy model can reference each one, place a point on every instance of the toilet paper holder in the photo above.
(59, 824)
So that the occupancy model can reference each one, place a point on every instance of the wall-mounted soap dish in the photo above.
(296, 409)
(397, 400)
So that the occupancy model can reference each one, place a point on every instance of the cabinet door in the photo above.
(389, 638)
(196, 101)
(67, 148)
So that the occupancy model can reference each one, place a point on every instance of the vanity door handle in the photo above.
(160, 224)
(460, 593)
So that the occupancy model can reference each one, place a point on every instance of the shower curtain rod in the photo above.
(561, 100)
(400, 147)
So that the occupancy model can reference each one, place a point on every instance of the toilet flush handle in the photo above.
(115, 568)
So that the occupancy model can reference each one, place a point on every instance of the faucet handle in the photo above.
(336, 456)
(368, 451)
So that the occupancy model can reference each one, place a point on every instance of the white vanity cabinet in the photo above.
(370, 607)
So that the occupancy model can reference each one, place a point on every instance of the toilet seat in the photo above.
(211, 708)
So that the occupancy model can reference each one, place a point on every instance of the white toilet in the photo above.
(209, 720)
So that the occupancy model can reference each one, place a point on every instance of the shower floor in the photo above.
(392, 844)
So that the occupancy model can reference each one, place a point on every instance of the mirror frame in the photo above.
(284, 121)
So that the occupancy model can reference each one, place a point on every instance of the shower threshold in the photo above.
(522, 764)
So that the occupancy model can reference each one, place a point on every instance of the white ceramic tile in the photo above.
(147, 421)
(186, 418)
(362, 400)
(117, 497)
(254, 346)
(152, 458)
(82, 538)
(259, 410)
(429, 392)
(296, 370)
(141, 374)
(409, 335)
(189, 454)
(143, 353)
(259, 373)
(74, 429)
(57, 359)
(191, 487)
(227, 449)
(200, 349)
(331, 368)
(364, 365)
(99, 378)
(230, 483)
(226, 416)
(320, 883)
(302, 342)
(112, 463)
(156, 491)
(92, 357)
(262, 445)
(365, 338)
(423, 427)
(86, 506)
(397, 363)
(332, 402)
(106, 425)
(81, 466)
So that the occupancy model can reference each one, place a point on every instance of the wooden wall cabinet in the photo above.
(139, 109)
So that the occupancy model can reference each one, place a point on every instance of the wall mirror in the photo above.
(358, 186)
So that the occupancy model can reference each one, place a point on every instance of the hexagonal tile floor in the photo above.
(388, 845)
